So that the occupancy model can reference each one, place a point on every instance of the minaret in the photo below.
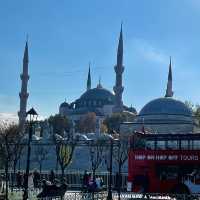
(24, 94)
(169, 92)
(89, 79)
(119, 69)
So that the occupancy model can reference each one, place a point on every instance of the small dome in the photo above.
(98, 93)
(64, 105)
(168, 106)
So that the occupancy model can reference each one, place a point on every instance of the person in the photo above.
(30, 181)
(101, 182)
(36, 179)
(117, 181)
(3, 183)
(91, 183)
(98, 183)
(52, 176)
(19, 179)
(85, 179)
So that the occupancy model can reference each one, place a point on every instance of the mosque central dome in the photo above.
(98, 94)
(166, 106)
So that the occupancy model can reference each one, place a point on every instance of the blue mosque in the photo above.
(161, 115)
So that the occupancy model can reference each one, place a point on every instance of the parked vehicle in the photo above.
(164, 163)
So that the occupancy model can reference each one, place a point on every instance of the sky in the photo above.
(65, 35)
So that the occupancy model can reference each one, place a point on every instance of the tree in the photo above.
(113, 122)
(120, 154)
(103, 128)
(96, 149)
(64, 153)
(60, 124)
(41, 154)
(87, 123)
(195, 110)
(11, 148)
(197, 114)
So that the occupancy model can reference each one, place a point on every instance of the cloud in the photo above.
(148, 52)
(13, 118)
(8, 118)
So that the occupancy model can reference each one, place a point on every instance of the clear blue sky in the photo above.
(65, 35)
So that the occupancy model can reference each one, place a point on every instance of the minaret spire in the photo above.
(99, 84)
(169, 92)
(24, 94)
(89, 79)
(119, 69)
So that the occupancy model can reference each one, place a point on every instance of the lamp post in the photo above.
(32, 113)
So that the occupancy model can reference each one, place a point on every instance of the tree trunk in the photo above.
(120, 180)
(93, 174)
(63, 174)
(19, 163)
(40, 168)
(14, 173)
(6, 172)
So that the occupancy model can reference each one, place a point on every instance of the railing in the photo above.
(74, 179)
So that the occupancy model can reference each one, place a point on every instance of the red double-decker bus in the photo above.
(164, 163)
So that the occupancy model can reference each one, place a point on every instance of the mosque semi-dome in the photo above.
(166, 106)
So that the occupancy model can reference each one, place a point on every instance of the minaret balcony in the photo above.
(119, 69)
(118, 89)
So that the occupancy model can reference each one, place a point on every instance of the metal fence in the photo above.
(74, 178)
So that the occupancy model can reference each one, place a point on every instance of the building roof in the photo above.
(168, 106)
(64, 104)
(98, 93)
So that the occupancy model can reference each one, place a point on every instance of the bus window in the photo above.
(161, 145)
(150, 145)
(196, 144)
(167, 172)
(139, 143)
(184, 144)
(173, 144)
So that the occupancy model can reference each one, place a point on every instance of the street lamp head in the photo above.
(32, 113)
